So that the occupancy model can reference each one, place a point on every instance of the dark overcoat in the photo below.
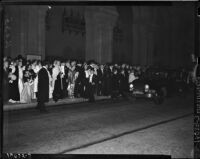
(43, 86)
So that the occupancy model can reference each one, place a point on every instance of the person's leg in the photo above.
(92, 99)
(99, 89)
(93, 92)
(42, 107)
(38, 105)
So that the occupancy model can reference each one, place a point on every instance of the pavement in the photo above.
(103, 127)
(160, 139)
(19, 106)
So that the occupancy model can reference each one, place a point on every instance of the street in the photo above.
(109, 127)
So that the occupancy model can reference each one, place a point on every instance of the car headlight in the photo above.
(131, 86)
(146, 87)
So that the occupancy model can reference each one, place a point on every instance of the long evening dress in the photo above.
(26, 92)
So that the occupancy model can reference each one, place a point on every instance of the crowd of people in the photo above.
(71, 78)
(28, 80)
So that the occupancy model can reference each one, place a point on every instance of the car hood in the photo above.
(140, 83)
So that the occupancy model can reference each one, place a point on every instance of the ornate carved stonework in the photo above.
(73, 22)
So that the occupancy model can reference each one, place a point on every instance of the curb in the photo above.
(11, 107)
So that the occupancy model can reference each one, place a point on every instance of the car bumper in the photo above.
(148, 95)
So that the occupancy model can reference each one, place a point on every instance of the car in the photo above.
(171, 81)
(146, 88)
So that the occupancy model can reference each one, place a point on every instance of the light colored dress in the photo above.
(20, 83)
(55, 72)
(26, 93)
(71, 86)
(35, 82)
(50, 85)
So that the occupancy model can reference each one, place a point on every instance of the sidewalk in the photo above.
(19, 106)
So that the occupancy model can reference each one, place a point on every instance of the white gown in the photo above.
(50, 85)
(20, 83)
(55, 72)
(35, 82)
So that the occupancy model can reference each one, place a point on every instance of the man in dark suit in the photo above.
(43, 88)
(100, 81)
(115, 84)
(91, 85)
(78, 90)
(123, 82)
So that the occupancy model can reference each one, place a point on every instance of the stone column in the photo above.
(24, 16)
(140, 33)
(136, 35)
(42, 30)
(144, 34)
(100, 22)
(32, 30)
(36, 32)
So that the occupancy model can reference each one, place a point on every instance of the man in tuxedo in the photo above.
(100, 78)
(43, 88)
(123, 82)
(91, 85)
(115, 84)
(78, 90)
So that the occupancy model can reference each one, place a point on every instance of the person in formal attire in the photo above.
(26, 91)
(57, 78)
(85, 81)
(63, 79)
(100, 81)
(115, 84)
(55, 72)
(91, 84)
(72, 75)
(126, 72)
(78, 90)
(66, 78)
(37, 66)
(14, 96)
(132, 76)
(43, 87)
(50, 68)
(21, 69)
(123, 83)
(82, 80)
(107, 81)
(50, 82)
(32, 75)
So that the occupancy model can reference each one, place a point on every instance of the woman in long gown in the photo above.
(56, 81)
(26, 92)
(50, 83)
(37, 68)
(72, 75)
(20, 79)
(32, 75)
